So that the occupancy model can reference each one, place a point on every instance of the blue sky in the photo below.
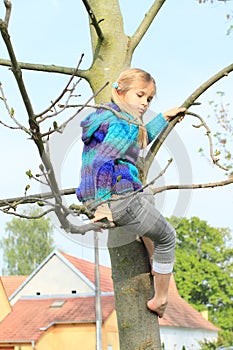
(185, 45)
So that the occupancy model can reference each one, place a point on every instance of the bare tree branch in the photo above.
(47, 68)
(94, 21)
(64, 90)
(10, 127)
(62, 127)
(8, 6)
(145, 24)
(105, 106)
(193, 186)
(15, 68)
(187, 103)
(11, 114)
(35, 130)
(34, 198)
(22, 216)
(208, 134)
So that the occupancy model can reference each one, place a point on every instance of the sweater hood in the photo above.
(93, 121)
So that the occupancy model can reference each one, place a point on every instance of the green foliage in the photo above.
(204, 269)
(27, 244)
(208, 345)
(225, 338)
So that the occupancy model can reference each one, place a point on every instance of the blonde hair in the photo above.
(127, 80)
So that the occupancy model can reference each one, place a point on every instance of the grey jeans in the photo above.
(137, 215)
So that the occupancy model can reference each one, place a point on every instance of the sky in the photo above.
(186, 44)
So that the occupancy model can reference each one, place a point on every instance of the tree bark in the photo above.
(110, 54)
(133, 287)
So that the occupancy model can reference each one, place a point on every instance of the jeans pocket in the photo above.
(124, 213)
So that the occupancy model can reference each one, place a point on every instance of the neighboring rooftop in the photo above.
(30, 318)
(178, 314)
(11, 283)
(88, 269)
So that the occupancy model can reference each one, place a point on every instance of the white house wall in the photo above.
(54, 278)
(175, 338)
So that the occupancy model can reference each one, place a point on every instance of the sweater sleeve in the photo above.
(155, 126)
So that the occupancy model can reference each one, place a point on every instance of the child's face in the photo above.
(139, 97)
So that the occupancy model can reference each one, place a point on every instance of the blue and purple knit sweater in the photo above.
(110, 154)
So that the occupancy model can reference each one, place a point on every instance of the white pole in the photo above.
(98, 310)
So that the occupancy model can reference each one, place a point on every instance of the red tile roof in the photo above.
(11, 283)
(31, 317)
(180, 314)
(88, 269)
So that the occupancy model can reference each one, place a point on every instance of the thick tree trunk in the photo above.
(112, 52)
(133, 287)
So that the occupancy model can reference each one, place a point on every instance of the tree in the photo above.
(27, 244)
(110, 55)
(203, 269)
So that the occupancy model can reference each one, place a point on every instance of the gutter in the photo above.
(33, 343)
(51, 324)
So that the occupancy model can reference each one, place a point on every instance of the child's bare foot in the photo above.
(158, 308)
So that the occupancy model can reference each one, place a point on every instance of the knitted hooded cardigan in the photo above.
(110, 154)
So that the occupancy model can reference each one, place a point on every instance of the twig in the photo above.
(26, 216)
(63, 125)
(10, 127)
(8, 6)
(56, 113)
(187, 103)
(34, 198)
(130, 194)
(193, 186)
(11, 114)
(64, 91)
(94, 21)
(105, 106)
(208, 133)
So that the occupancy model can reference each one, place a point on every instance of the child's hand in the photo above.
(175, 112)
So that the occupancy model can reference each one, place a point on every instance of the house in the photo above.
(5, 308)
(182, 325)
(54, 308)
(58, 323)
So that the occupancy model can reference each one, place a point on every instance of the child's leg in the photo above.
(140, 216)
(160, 243)
(150, 248)
(159, 302)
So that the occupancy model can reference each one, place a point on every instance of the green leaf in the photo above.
(12, 112)
(29, 174)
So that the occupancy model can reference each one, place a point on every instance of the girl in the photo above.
(113, 137)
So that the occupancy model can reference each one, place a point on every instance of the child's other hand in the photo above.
(175, 112)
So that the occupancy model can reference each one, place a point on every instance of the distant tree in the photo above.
(27, 243)
(204, 269)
